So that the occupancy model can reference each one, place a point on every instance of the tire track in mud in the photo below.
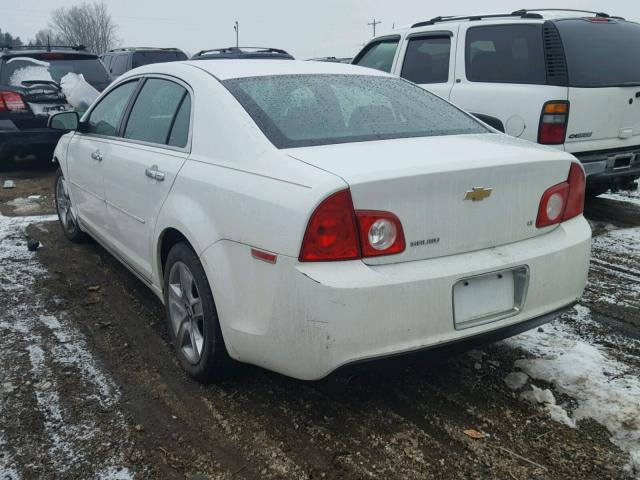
(404, 423)
(45, 429)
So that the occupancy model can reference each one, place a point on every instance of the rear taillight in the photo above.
(380, 233)
(337, 232)
(553, 123)
(563, 201)
(12, 101)
(332, 232)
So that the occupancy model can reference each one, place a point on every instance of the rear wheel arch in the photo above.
(167, 240)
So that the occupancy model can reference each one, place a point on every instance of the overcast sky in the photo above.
(304, 28)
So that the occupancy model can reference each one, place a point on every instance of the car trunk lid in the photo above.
(431, 183)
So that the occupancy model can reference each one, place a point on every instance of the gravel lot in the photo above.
(89, 387)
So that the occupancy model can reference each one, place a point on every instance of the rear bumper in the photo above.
(308, 319)
(458, 345)
(27, 141)
(607, 166)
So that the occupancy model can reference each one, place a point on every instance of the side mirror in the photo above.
(64, 121)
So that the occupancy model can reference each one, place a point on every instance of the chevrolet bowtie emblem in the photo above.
(477, 194)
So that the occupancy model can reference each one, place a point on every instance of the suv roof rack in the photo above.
(133, 49)
(522, 13)
(243, 52)
(47, 48)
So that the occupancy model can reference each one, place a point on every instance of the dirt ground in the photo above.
(90, 388)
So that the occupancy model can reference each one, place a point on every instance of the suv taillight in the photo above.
(337, 232)
(563, 201)
(12, 101)
(553, 123)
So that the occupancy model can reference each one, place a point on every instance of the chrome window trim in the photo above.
(186, 149)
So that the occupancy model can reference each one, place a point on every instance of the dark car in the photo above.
(332, 59)
(121, 60)
(242, 53)
(30, 92)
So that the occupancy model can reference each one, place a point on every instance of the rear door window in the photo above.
(601, 53)
(427, 60)
(505, 54)
(105, 118)
(107, 61)
(154, 113)
(378, 55)
(119, 64)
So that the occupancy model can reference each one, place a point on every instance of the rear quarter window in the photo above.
(505, 54)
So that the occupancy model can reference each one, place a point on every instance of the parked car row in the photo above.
(30, 89)
(309, 216)
(30, 92)
(558, 78)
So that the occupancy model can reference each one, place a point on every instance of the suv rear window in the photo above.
(156, 56)
(304, 110)
(378, 55)
(601, 54)
(13, 70)
(505, 54)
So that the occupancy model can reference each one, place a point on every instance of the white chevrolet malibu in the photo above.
(305, 216)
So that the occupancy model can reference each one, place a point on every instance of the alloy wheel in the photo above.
(186, 312)
(63, 205)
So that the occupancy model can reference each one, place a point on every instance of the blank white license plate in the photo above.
(484, 298)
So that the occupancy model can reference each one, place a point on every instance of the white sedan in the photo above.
(305, 216)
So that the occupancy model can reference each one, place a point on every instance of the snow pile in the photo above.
(37, 70)
(80, 94)
(604, 388)
(546, 398)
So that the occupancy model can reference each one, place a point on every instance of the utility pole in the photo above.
(373, 24)
(236, 27)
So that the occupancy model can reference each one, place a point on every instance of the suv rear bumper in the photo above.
(608, 166)
(28, 141)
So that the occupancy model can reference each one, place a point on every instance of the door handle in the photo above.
(153, 172)
(96, 155)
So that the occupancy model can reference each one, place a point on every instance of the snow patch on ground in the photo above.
(624, 196)
(37, 350)
(605, 389)
(24, 206)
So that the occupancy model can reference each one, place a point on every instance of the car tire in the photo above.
(596, 190)
(6, 160)
(192, 317)
(64, 208)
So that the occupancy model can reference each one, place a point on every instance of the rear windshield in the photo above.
(14, 70)
(158, 56)
(305, 110)
(601, 54)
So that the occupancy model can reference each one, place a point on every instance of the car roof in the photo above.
(27, 50)
(227, 69)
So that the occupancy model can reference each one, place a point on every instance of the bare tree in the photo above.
(47, 37)
(87, 24)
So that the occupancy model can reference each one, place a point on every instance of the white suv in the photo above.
(555, 77)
